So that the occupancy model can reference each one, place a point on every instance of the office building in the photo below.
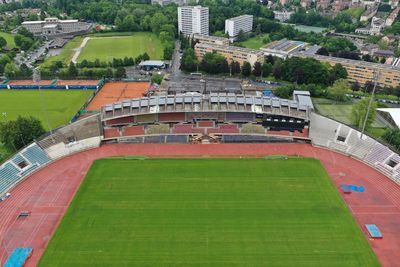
(193, 19)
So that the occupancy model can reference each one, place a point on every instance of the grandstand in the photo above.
(191, 118)
(22, 164)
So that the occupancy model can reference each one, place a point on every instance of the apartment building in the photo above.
(234, 25)
(54, 26)
(211, 40)
(193, 19)
(361, 71)
(231, 53)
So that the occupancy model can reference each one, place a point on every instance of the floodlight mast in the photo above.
(36, 80)
(376, 78)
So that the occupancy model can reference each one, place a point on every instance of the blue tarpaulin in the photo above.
(18, 257)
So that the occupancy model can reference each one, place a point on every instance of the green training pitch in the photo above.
(208, 212)
(107, 48)
(60, 106)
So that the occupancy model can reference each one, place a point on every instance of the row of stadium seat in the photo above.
(20, 165)
(156, 129)
(331, 134)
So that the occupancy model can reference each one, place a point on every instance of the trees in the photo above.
(336, 44)
(168, 52)
(305, 71)
(392, 136)
(120, 73)
(189, 60)
(359, 110)
(257, 70)
(355, 86)
(156, 78)
(72, 71)
(266, 69)
(214, 63)
(3, 42)
(246, 69)
(338, 90)
(337, 72)
(16, 134)
(235, 67)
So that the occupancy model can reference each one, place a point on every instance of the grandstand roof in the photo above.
(394, 114)
(214, 102)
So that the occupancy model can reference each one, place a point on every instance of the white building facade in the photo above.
(193, 19)
(242, 23)
(54, 26)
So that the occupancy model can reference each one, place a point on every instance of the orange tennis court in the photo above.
(117, 91)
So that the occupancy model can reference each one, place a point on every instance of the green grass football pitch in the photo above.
(208, 212)
(58, 106)
(106, 48)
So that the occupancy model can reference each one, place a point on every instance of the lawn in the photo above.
(338, 111)
(66, 54)
(60, 106)
(208, 212)
(354, 12)
(107, 48)
(9, 38)
(255, 42)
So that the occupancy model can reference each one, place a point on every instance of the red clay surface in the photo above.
(77, 82)
(118, 91)
(48, 192)
(30, 82)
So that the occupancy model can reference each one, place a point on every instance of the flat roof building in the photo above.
(231, 53)
(193, 19)
(235, 25)
(207, 39)
(167, 2)
(55, 26)
(362, 71)
(282, 48)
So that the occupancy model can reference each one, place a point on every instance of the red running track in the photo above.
(48, 192)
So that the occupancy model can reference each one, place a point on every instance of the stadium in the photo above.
(218, 179)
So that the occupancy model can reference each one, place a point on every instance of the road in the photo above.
(176, 62)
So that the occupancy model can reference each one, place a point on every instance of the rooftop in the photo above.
(229, 48)
(240, 17)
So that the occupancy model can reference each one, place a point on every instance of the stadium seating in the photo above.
(339, 137)
(239, 117)
(253, 139)
(171, 117)
(120, 121)
(158, 129)
(133, 130)
(158, 139)
(252, 129)
(78, 136)
(186, 129)
(378, 153)
(177, 139)
(224, 129)
(111, 133)
(23, 163)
